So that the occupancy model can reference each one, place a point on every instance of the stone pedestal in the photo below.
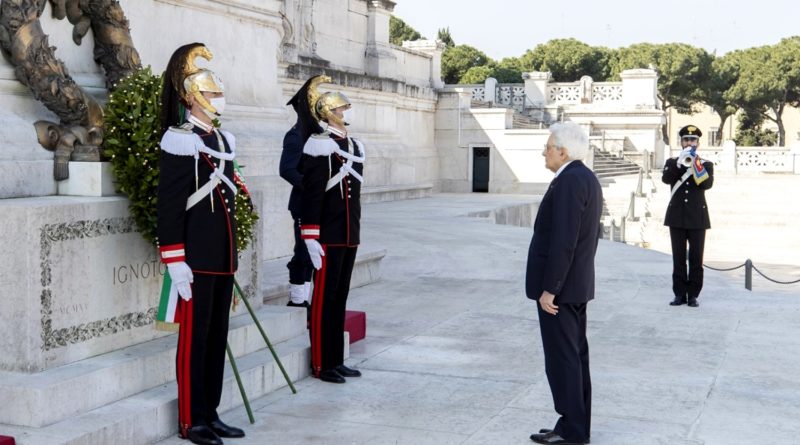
(639, 88)
(88, 179)
(78, 280)
(536, 87)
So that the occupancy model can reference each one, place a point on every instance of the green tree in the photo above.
(458, 59)
(682, 71)
(769, 80)
(445, 37)
(723, 75)
(568, 60)
(399, 31)
(750, 132)
(503, 73)
(477, 74)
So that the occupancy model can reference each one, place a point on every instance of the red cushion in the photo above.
(5, 440)
(355, 322)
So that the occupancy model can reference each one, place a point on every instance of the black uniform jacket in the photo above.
(687, 208)
(205, 234)
(565, 236)
(291, 168)
(333, 216)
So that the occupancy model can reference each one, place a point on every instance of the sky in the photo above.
(507, 28)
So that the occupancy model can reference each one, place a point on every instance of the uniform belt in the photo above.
(678, 184)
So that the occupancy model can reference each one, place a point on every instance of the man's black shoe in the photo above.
(203, 435)
(344, 371)
(303, 304)
(552, 438)
(678, 301)
(693, 302)
(548, 430)
(331, 376)
(224, 430)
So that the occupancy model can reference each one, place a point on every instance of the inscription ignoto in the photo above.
(52, 234)
(137, 271)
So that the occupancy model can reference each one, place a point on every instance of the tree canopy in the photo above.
(568, 60)
(400, 31)
(458, 59)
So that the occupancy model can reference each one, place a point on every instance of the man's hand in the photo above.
(547, 301)
(181, 275)
(316, 252)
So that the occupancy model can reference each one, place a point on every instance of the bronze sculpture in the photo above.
(25, 46)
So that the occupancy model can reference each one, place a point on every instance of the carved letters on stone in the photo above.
(54, 233)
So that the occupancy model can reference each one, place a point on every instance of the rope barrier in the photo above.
(774, 281)
(723, 270)
(748, 274)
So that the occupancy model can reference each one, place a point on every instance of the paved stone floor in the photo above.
(453, 353)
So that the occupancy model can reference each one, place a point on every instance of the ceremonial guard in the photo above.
(291, 169)
(687, 215)
(196, 236)
(330, 223)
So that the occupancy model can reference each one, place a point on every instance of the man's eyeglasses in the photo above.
(548, 147)
(689, 139)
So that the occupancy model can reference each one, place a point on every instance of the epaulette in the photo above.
(181, 141)
(320, 145)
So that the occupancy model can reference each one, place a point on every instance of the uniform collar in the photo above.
(337, 132)
(200, 124)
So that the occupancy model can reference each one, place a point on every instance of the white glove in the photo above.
(316, 252)
(181, 275)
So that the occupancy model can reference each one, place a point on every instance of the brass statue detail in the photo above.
(26, 47)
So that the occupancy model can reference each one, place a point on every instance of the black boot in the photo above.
(693, 302)
(678, 301)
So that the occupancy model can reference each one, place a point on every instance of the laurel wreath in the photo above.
(133, 132)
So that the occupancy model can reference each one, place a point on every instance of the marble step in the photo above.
(54, 395)
(152, 415)
(275, 275)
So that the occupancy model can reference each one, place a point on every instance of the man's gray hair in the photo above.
(571, 136)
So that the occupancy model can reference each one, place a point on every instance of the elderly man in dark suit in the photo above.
(560, 276)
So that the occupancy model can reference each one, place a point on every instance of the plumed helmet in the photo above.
(328, 102)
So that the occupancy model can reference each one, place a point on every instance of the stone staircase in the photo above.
(607, 165)
(129, 396)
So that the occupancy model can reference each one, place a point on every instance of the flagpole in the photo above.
(264, 335)
(239, 382)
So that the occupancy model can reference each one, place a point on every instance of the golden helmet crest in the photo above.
(328, 102)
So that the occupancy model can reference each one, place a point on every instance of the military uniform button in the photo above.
(686, 191)
(685, 200)
(226, 199)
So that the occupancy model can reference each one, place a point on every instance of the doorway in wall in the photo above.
(480, 169)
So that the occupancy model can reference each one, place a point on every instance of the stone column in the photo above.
(381, 61)
(727, 157)
(434, 48)
(490, 90)
(639, 88)
(536, 87)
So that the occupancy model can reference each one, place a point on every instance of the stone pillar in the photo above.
(381, 61)
(490, 90)
(639, 88)
(795, 151)
(727, 157)
(536, 87)
(434, 48)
